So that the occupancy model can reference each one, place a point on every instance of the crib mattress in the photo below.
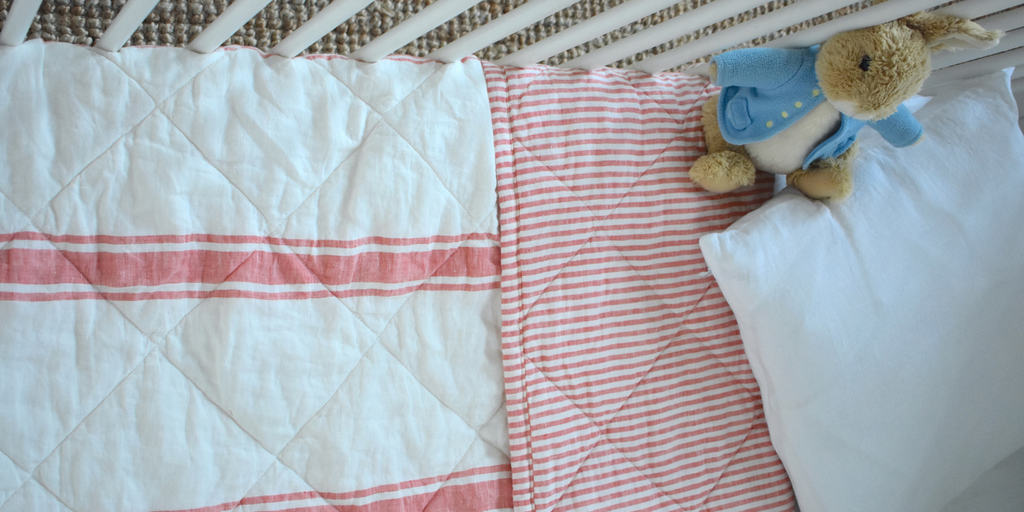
(235, 281)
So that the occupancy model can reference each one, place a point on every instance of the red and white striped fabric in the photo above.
(240, 282)
(626, 380)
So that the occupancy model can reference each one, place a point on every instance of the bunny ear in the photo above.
(944, 32)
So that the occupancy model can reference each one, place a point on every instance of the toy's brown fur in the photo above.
(726, 164)
(900, 61)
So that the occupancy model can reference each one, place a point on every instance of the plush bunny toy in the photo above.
(797, 112)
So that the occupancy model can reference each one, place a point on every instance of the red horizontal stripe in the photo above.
(121, 270)
(244, 239)
(471, 497)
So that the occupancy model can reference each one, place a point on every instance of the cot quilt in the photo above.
(241, 282)
(626, 380)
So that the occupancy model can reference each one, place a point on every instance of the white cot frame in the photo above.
(947, 67)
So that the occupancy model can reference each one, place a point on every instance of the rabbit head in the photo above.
(867, 73)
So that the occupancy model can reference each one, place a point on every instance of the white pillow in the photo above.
(887, 332)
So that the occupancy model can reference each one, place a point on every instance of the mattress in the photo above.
(237, 281)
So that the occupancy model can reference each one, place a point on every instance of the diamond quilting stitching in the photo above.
(254, 128)
(115, 140)
(599, 229)
(384, 118)
(22, 475)
(178, 334)
(155, 343)
(152, 346)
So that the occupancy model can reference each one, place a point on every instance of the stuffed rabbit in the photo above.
(797, 112)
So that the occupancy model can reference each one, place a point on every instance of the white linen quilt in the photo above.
(235, 281)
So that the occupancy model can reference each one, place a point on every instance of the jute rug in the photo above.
(176, 22)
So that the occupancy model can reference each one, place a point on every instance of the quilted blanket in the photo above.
(233, 281)
(240, 282)
(627, 384)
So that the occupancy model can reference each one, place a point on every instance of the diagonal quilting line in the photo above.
(86, 166)
(311, 418)
(529, 433)
(272, 229)
(51, 493)
(526, 314)
(397, 103)
(276, 230)
(238, 504)
(653, 293)
(156, 106)
(638, 178)
(489, 418)
(596, 219)
(11, 241)
(86, 417)
(601, 433)
(203, 300)
(699, 95)
(389, 323)
(22, 484)
(383, 116)
(153, 346)
(429, 166)
(732, 457)
(398, 310)
(626, 459)
(239, 425)
(449, 475)
(442, 402)
(29, 223)
(543, 71)
(153, 343)
(210, 162)
(174, 92)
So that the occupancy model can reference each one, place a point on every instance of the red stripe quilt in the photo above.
(241, 282)
(627, 384)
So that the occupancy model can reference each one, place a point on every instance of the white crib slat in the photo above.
(400, 35)
(229, 21)
(1005, 21)
(975, 68)
(586, 30)
(318, 26)
(671, 29)
(976, 8)
(19, 19)
(743, 32)
(1011, 40)
(125, 24)
(520, 17)
(882, 13)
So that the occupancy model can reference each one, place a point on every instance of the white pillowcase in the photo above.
(887, 332)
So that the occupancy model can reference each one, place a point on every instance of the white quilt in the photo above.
(234, 281)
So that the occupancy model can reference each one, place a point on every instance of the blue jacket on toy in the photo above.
(766, 90)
